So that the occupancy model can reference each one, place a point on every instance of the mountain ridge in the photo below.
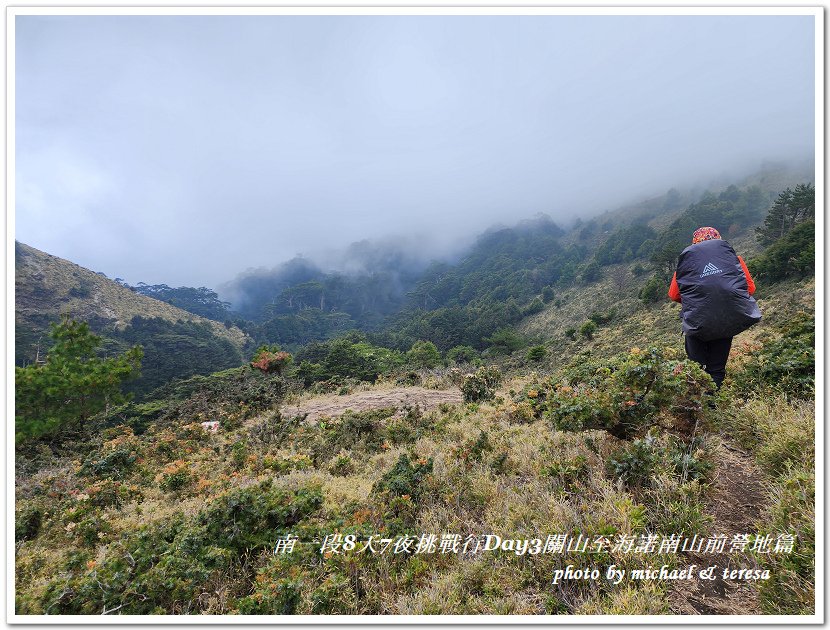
(52, 286)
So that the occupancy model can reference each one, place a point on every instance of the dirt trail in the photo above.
(334, 405)
(735, 502)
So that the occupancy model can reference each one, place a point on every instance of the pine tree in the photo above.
(804, 203)
(73, 383)
(791, 208)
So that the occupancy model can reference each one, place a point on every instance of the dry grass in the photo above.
(647, 598)
(42, 288)
(505, 490)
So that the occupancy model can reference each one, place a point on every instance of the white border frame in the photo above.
(367, 9)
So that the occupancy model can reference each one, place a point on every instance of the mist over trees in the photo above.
(502, 279)
(731, 212)
(251, 290)
(367, 277)
(389, 292)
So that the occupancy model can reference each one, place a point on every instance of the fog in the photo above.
(186, 150)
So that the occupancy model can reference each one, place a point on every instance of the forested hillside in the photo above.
(176, 343)
(567, 406)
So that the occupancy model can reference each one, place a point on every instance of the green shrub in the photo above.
(115, 464)
(399, 493)
(536, 353)
(27, 522)
(627, 393)
(235, 393)
(654, 290)
(603, 318)
(463, 354)
(499, 463)
(686, 460)
(785, 364)
(364, 429)
(273, 430)
(343, 466)
(309, 372)
(535, 306)
(334, 595)
(404, 479)
(359, 360)
(504, 341)
(282, 598)
(568, 471)
(109, 493)
(791, 256)
(473, 450)
(423, 354)
(252, 517)
(400, 432)
(285, 464)
(481, 385)
(83, 290)
(163, 567)
(591, 272)
(93, 530)
(175, 477)
(635, 463)
(588, 329)
(239, 453)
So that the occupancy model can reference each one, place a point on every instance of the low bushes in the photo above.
(481, 385)
(624, 395)
(269, 360)
(784, 364)
(166, 566)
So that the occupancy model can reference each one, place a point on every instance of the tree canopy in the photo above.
(201, 301)
(793, 206)
(72, 385)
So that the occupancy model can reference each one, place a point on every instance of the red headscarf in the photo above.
(705, 234)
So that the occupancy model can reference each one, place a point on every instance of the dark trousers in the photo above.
(712, 355)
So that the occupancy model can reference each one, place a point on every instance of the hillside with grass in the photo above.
(177, 343)
(385, 471)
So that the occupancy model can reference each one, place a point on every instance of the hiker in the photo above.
(713, 287)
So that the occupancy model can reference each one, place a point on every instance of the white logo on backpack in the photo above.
(710, 269)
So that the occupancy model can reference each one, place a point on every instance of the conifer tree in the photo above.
(792, 207)
(73, 383)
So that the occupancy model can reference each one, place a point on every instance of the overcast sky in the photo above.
(184, 150)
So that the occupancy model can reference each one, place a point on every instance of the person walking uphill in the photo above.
(714, 288)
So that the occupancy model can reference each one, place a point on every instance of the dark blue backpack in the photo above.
(713, 291)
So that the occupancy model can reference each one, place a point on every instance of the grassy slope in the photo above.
(636, 324)
(520, 480)
(42, 294)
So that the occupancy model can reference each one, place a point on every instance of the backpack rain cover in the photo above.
(714, 294)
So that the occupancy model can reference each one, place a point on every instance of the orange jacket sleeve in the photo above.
(750, 283)
(674, 290)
